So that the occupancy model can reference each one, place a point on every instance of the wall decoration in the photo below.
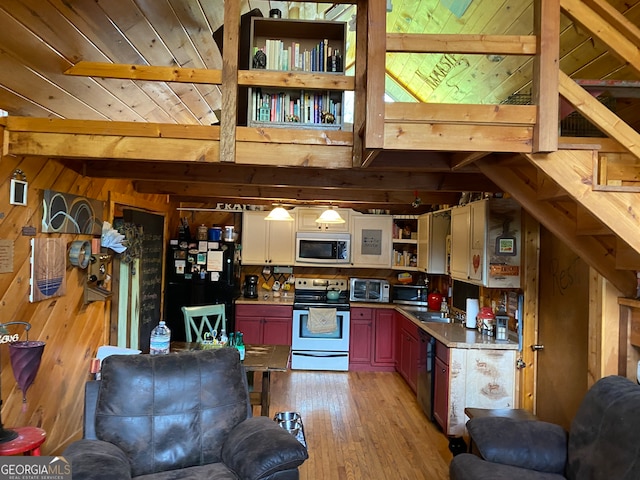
(18, 189)
(48, 268)
(6, 256)
(371, 242)
(67, 213)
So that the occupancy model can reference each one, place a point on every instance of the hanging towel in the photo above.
(322, 320)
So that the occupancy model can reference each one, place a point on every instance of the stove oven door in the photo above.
(318, 333)
(314, 347)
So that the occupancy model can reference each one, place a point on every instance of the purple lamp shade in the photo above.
(25, 361)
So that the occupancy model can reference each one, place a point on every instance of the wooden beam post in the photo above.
(229, 88)
(376, 58)
(545, 75)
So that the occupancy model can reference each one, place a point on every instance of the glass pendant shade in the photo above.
(330, 216)
(279, 214)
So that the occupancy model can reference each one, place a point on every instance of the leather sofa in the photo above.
(602, 443)
(179, 416)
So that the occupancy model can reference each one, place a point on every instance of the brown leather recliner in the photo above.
(179, 416)
(602, 443)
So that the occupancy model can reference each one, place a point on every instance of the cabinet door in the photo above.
(384, 338)
(441, 394)
(281, 242)
(306, 220)
(276, 330)
(408, 358)
(433, 229)
(412, 373)
(360, 341)
(371, 241)
(478, 225)
(460, 242)
(255, 231)
(251, 328)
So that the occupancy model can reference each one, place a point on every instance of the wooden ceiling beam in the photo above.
(450, 137)
(460, 43)
(460, 113)
(462, 159)
(219, 174)
(286, 193)
(146, 72)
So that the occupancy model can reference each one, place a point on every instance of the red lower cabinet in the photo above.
(384, 351)
(408, 350)
(265, 324)
(441, 386)
(371, 339)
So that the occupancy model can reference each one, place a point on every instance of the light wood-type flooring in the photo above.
(361, 425)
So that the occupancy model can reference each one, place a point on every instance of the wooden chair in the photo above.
(197, 318)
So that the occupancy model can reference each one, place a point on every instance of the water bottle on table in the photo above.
(160, 339)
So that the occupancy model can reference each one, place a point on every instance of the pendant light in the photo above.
(330, 216)
(279, 214)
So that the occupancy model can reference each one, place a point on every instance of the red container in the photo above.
(434, 300)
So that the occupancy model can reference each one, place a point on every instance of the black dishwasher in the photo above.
(426, 377)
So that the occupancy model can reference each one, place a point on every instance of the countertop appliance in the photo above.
(411, 295)
(320, 335)
(250, 288)
(368, 290)
(323, 248)
(426, 377)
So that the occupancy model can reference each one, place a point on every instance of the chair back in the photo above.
(169, 410)
(202, 319)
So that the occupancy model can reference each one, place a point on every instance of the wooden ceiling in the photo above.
(43, 38)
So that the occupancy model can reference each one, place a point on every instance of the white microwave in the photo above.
(323, 248)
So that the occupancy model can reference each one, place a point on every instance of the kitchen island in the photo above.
(470, 370)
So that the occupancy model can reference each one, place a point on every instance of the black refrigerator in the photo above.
(201, 273)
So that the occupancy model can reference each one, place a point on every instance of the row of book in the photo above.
(302, 107)
(321, 58)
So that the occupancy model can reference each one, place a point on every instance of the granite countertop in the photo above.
(456, 335)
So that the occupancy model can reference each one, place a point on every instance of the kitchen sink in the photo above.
(428, 316)
(431, 317)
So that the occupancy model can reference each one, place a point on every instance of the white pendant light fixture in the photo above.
(279, 214)
(330, 216)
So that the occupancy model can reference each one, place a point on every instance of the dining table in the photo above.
(258, 358)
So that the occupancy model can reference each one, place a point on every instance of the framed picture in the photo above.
(18, 194)
(506, 246)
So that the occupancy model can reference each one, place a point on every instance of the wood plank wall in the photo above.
(72, 330)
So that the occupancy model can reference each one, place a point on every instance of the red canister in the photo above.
(434, 300)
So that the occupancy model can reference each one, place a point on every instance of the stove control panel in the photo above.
(322, 284)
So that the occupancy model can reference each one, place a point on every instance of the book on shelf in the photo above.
(321, 58)
(296, 106)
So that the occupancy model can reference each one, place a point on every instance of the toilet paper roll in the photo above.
(473, 307)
